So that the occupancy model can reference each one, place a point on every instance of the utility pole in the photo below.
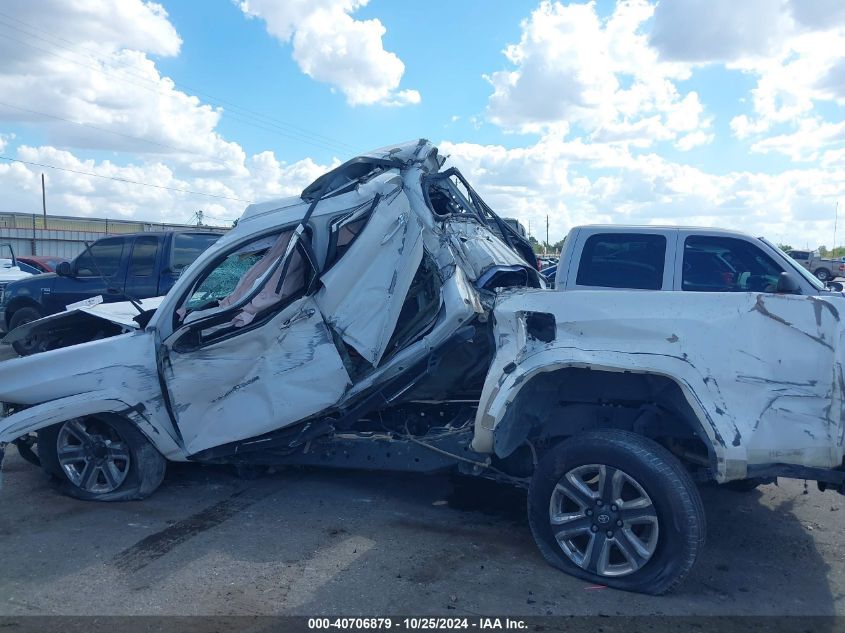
(547, 233)
(835, 222)
(44, 200)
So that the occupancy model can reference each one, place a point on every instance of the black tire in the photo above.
(823, 274)
(142, 475)
(680, 521)
(22, 316)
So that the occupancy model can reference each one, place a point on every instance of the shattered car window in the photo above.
(251, 278)
(225, 277)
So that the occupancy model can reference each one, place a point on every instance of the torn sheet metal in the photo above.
(362, 298)
(764, 373)
(120, 313)
(258, 381)
(477, 248)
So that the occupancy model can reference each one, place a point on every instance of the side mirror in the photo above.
(835, 286)
(787, 285)
(64, 269)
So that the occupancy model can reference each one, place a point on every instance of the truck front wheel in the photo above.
(617, 509)
(102, 458)
(29, 345)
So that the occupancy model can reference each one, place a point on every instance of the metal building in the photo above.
(65, 236)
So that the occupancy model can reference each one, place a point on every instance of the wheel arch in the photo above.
(556, 401)
(34, 418)
(20, 302)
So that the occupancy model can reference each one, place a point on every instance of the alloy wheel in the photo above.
(603, 520)
(92, 455)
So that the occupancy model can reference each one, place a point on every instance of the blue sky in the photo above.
(639, 111)
(443, 61)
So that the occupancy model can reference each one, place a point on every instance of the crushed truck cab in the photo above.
(388, 319)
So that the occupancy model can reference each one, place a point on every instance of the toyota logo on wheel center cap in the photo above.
(603, 519)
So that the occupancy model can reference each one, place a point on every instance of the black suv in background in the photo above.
(136, 265)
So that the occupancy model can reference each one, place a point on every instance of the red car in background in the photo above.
(44, 263)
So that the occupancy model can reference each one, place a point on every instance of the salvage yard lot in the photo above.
(308, 541)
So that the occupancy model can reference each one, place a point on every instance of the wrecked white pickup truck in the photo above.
(388, 319)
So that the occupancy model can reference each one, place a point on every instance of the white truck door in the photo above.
(253, 353)
(778, 355)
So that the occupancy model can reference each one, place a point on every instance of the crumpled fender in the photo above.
(500, 393)
(78, 405)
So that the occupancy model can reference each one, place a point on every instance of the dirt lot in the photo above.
(307, 541)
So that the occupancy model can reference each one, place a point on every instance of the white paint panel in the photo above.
(764, 370)
(363, 292)
(257, 381)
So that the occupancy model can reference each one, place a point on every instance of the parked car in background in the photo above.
(550, 273)
(43, 263)
(823, 268)
(29, 270)
(10, 267)
(133, 266)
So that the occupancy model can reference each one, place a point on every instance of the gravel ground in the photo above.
(308, 541)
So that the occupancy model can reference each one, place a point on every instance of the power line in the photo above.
(124, 180)
(107, 131)
(246, 115)
(237, 116)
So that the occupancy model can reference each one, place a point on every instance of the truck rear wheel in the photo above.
(823, 274)
(617, 509)
(102, 458)
(26, 346)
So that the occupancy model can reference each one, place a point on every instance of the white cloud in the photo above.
(573, 66)
(807, 142)
(102, 25)
(69, 193)
(88, 83)
(694, 139)
(818, 14)
(574, 182)
(795, 49)
(604, 94)
(331, 46)
(719, 30)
